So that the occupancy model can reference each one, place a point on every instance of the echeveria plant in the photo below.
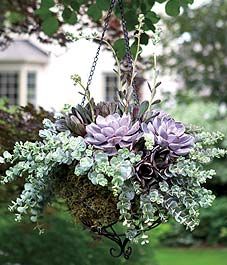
(108, 133)
(170, 134)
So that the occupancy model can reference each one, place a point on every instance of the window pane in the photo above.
(111, 83)
(31, 87)
(9, 84)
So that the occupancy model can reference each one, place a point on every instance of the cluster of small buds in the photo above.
(149, 141)
(71, 37)
(81, 35)
(66, 109)
(76, 79)
(141, 18)
(139, 27)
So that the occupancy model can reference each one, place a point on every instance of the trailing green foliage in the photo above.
(17, 124)
(212, 117)
(37, 161)
(99, 168)
(185, 196)
(41, 162)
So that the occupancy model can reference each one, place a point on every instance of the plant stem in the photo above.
(117, 62)
(88, 97)
(136, 58)
(153, 91)
(113, 51)
(118, 71)
(139, 29)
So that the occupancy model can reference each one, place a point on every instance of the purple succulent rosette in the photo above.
(111, 132)
(169, 134)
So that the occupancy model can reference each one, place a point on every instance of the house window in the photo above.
(111, 83)
(9, 86)
(31, 87)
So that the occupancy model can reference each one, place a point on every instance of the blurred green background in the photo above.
(200, 63)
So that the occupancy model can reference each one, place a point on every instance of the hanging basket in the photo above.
(95, 207)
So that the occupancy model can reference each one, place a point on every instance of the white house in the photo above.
(31, 74)
(20, 67)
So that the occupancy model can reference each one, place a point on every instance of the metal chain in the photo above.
(126, 37)
(128, 51)
(127, 48)
(106, 24)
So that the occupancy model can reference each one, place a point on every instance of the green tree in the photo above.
(198, 53)
(46, 18)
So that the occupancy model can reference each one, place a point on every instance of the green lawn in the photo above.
(174, 256)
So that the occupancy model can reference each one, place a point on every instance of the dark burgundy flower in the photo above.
(153, 167)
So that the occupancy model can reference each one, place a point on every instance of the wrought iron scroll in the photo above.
(123, 248)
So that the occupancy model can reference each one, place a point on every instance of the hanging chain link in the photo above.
(106, 24)
(127, 47)
(126, 37)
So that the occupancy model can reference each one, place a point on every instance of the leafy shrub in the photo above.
(63, 244)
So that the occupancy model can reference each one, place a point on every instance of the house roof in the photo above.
(23, 51)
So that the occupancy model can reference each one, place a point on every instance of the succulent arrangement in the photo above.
(116, 162)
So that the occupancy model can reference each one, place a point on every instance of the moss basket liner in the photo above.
(88, 203)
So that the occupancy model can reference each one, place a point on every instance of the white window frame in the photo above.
(9, 91)
(114, 84)
(32, 87)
